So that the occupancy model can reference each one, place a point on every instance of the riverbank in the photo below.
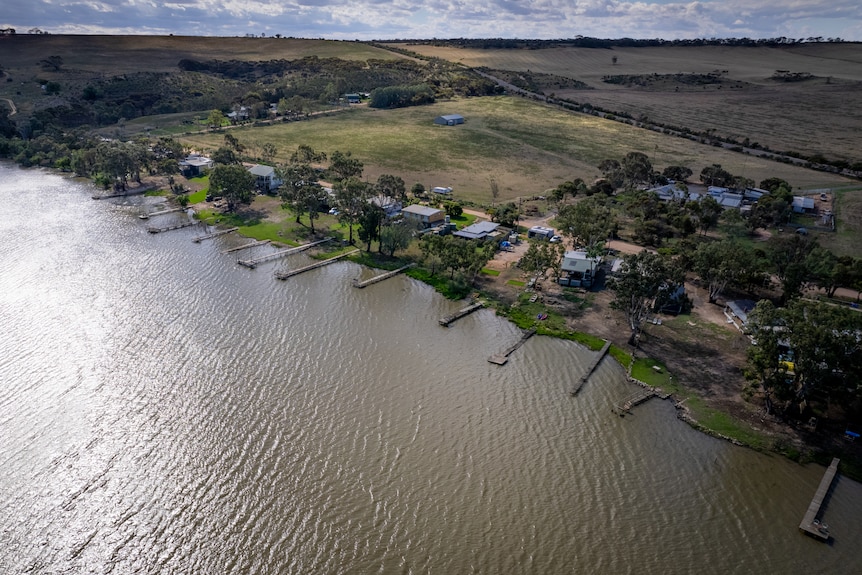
(700, 356)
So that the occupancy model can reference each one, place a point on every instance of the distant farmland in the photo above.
(818, 115)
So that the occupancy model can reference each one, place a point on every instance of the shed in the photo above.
(352, 98)
(449, 120)
(541, 232)
(803, 204)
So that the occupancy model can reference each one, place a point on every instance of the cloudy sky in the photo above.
(390, 19)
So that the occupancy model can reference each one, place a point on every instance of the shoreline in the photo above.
(787, 444)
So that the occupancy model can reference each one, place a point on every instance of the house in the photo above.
(195, 165)
(425, 216)
(241, 114)
(352, 98)
(449, 120)
(541, 233)
(442, 190)
(391, 207)
(265, 178)
(579, 269)
(479, 231)
(736, 312)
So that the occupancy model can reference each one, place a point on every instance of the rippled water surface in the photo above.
(165, 410)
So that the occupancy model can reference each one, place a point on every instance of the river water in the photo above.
(165, 410)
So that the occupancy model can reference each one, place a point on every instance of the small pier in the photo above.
(280, 254)
(212, 235)
(246, 246)
(626, 405)
(314, 266)
(155, 230)
(380, 278)
(812, 523)
(161, 213)
(598, 359)
(460, 313)
(131, 192)
(502, 358)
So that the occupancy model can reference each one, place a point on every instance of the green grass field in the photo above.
(526, 147)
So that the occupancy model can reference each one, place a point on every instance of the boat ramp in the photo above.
(320, 264)
(380, 278)
(502, 358)
(812, 523)
(280, 254)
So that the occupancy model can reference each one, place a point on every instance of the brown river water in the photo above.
(165, 410)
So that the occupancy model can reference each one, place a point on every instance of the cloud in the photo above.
(387, 19)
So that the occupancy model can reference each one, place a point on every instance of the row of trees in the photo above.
(806, 352)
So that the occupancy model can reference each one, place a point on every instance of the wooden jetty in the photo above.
(320, 264)
(502, 358)
(131, 192)
(596, 361)
(246, 246)
(380, 278)
(460, 313)
(625, 406)
(212, 235)
(812, 523)
(161, 213)
(154, 230)
(280, 254)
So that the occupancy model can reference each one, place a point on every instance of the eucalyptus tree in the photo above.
(789, 258)
(641, 280)
(344, 165)
(588, 223)
(234, 183)
(351, 195)
(395, 236)
(370, 219)
(720, 263)
(391, 187)
(300, 191)
(806, 352)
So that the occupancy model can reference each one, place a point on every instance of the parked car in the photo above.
(333, 211)
(556, 239)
